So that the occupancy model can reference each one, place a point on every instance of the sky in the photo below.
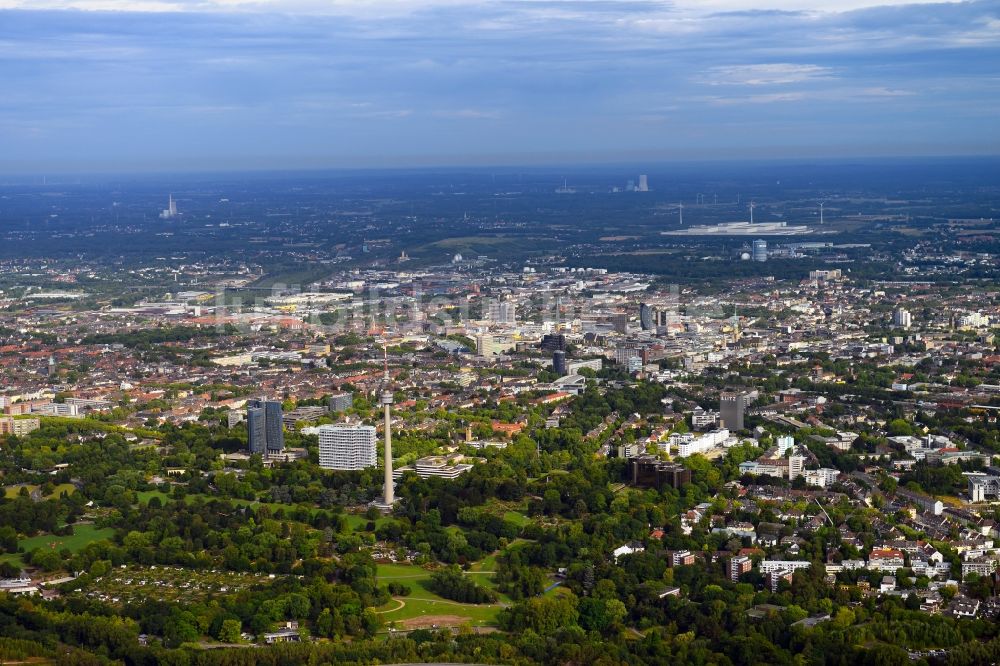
(189, 85)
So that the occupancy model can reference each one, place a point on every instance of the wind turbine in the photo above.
(821, 203)
(752, 204)
(680, 209)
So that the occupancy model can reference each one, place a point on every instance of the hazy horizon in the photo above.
(562, 167)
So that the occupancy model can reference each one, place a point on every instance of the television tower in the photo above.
(387, 498)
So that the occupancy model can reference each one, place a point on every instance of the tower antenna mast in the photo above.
(388, 493)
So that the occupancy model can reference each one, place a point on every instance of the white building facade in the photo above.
(346, 447)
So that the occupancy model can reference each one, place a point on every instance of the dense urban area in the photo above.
(738, 417)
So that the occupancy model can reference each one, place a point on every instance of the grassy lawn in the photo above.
(417, 606)
(357, 522)
(11, 492)
(517, 518)
(146, 495)
(400, 572)
(484, 578)
(422, 601)
(518, 543)
(68, 488)
(488, 563)
(82, 535)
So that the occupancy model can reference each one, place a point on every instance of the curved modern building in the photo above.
(646, 317)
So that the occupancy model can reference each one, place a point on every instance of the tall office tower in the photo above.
(620, 322)
(902, 318)
(559, 363)
(492, 310)
(508, 313)
(347, 446)
(661, 317)
(266, 415)
(646, 317)
(760, 250)
(553, 342)
(257, 429)
(731, 408)
(643, 183)
(275, 427)
(501, 312)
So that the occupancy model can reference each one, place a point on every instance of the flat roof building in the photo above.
(347, 447)
(651, 472)
(445, 467)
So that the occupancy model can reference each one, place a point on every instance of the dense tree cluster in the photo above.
(451, 584)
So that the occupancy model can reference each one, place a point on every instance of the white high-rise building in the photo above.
(502, 312)
(902, 318)
(346, 446)
(643, 184)
(974, 320)
(785, 444)
(508, 313)
(796, 467)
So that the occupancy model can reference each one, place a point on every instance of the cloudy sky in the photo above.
(206, 84)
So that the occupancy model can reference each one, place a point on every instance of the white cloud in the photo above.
(467, 114)
(561, 9)
(369, 8)
(767, 74)
(831, 6)
(767, 98)
(147, 6)
(880, 91)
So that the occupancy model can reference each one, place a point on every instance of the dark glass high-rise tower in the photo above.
(265, 426)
